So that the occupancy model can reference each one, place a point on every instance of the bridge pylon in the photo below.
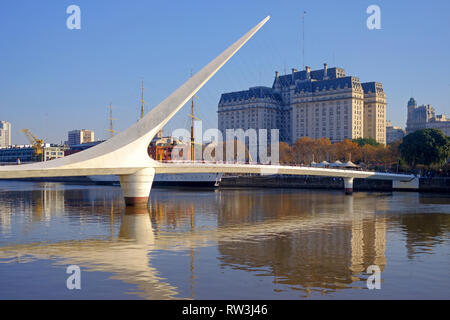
(136, 187)
(348, 185)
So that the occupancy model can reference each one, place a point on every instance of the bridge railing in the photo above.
(249, 163)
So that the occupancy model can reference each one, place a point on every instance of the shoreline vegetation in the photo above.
(422, 153)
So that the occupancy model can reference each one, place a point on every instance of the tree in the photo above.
(321, 149)
(394, 155)
(384, 155)
(305, 150)
(366, 141)
(368, 153)
(345, 150)
(302, 150)
(286, 153)
(427, 147)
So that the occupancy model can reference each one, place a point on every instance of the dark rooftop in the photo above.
(254, 92)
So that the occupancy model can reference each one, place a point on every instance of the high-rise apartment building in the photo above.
(80, 136)
(5, 134)
(316, 104)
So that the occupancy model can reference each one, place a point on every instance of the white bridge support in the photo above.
(126, 155)
(136, 187)
(348, 185)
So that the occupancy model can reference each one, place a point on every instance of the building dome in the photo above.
(412, 102)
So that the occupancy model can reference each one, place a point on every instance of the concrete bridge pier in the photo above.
(348, 185)
(136, 187)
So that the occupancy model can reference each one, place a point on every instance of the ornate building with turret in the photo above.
(418, 116)
(309, 103)
(424, 117)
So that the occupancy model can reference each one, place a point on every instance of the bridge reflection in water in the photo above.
(302, 240)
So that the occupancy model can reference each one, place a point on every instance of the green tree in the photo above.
(426, 147)
(363, 141)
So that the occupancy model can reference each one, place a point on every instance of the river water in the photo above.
(222, 244)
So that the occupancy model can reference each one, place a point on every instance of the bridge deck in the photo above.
(27, 171)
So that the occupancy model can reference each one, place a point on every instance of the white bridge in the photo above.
(126, 155)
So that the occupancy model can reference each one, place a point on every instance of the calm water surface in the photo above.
(221, 244)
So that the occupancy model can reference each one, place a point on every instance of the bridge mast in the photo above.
(303, 39)
(192, 132)
(192, 128)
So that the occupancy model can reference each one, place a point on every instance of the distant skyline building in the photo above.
(80, 136)
(418, 116)
(394, 133)
(321, 103)
(27, 153)
(5, 134)
(440, 122)
(424, 117)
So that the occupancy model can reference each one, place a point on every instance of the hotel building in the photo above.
(312, 103)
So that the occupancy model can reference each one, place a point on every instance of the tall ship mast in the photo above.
(142, 100)
(111, 119)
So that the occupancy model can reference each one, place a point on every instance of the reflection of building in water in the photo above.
(180, 214)
(331, 257)
(329, 247)
(368, 244)
(5, 219)
(172, 214)
(240, 206)
(48, 201)
(41, 199)
(424, 231)
(44, 200)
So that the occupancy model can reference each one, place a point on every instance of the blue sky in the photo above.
(53, 79)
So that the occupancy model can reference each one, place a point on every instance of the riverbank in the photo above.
(436, 184)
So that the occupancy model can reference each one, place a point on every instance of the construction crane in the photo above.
(37, 144)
